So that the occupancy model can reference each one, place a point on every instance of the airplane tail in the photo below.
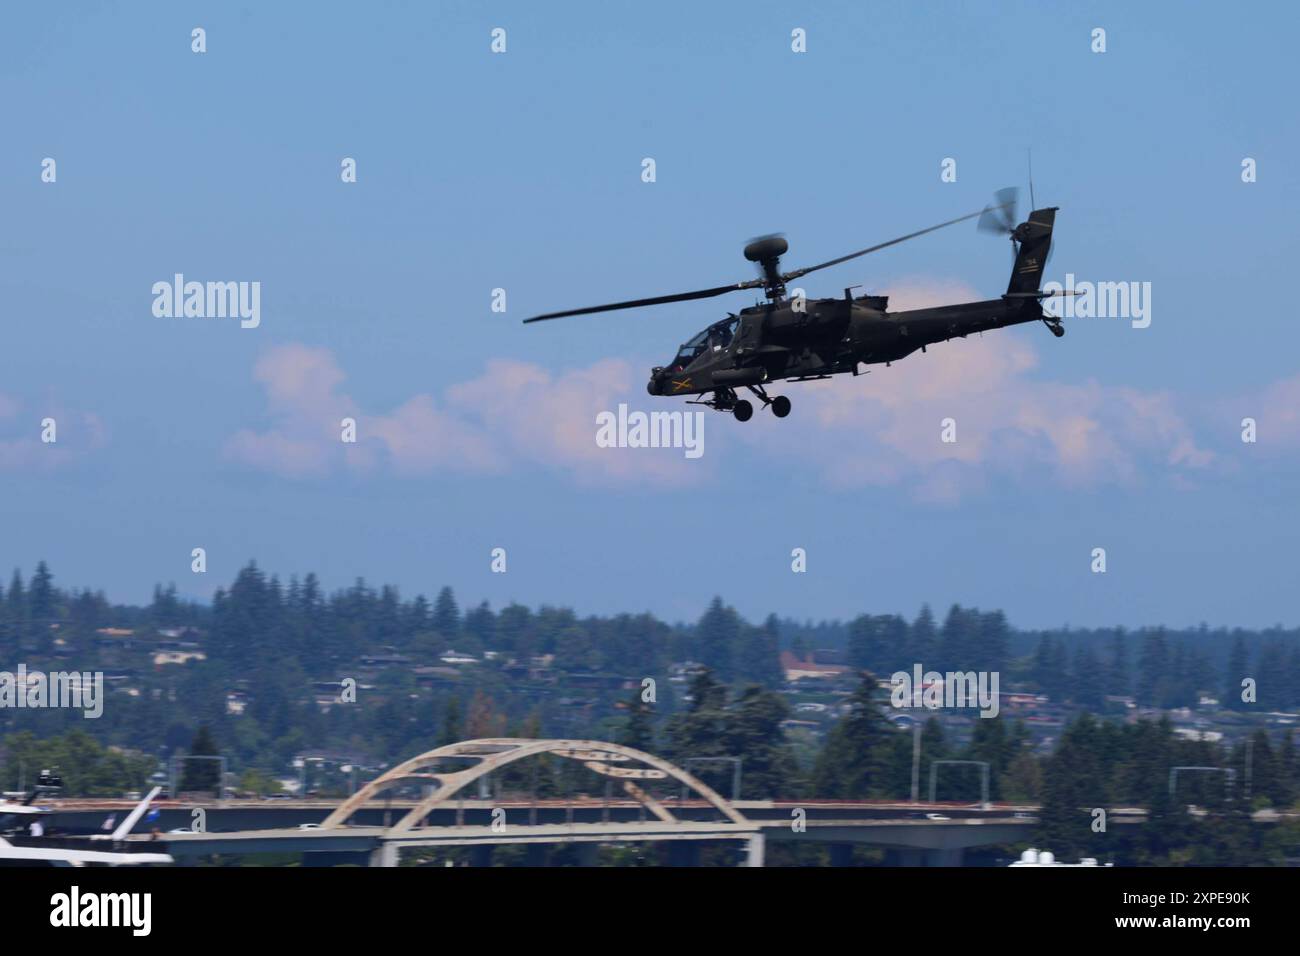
(1035, 239)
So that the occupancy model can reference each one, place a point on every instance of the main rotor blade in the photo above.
(656, 300)
(892, 242)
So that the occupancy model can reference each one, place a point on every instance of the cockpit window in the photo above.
(716, 337)
(720, 335)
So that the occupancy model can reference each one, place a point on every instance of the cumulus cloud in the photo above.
(21, 445)
(1012, 424)
(1276, 410)
(515, 412)
(885, 428)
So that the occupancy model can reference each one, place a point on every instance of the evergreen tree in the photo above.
(923, 640)
(41, 594)
(878, 643)
(1088, 691)
(991, 743)
(480, 624)
(994, 642)
(1237, 672)
(753, 733)
(1118, 681)
(638, 729)
(1153, 670)
(852, 762)
(453, 731)
(203, 774)
(717, 635)
(758, 657)
(446, 614)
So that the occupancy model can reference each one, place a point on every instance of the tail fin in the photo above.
(1035, 238)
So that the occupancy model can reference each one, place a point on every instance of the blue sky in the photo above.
(522, 171)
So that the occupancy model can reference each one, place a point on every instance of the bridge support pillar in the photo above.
(384, 855)
(757, 844)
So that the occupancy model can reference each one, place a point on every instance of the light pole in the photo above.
(916, 747)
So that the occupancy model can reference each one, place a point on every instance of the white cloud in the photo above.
(516, 412)
(885, 428)
(882, 429)
(21, 447)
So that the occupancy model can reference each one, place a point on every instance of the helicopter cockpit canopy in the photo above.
(715, 338)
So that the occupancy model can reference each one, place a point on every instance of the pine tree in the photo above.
(717, 634)
(41, 594)
(852, 762)
(923, 639)
(1153, 669)
(1118, 681)
(202, 774)
(638, 730)
(700, 731)
(481, 624)
(753, 733)
(1237, 666)
(453, 731)
(16, 602)
(1087, 679)
(758, 658)
(446, 614)
(864, 650)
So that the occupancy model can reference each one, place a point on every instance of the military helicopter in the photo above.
(802, 340)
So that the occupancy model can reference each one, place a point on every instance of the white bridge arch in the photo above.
(493, 753)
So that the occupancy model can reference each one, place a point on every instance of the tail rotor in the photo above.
(1001, 217)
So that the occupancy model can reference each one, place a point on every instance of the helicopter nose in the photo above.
(656, 381)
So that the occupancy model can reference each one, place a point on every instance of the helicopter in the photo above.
(797, 339)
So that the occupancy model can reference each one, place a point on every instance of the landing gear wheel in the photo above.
(1057, 330)
(780, 406)
(743, 411)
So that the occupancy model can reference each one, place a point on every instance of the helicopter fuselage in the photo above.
(804, 339)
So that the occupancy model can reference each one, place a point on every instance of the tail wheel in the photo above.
(780, 406)
(743, 411)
